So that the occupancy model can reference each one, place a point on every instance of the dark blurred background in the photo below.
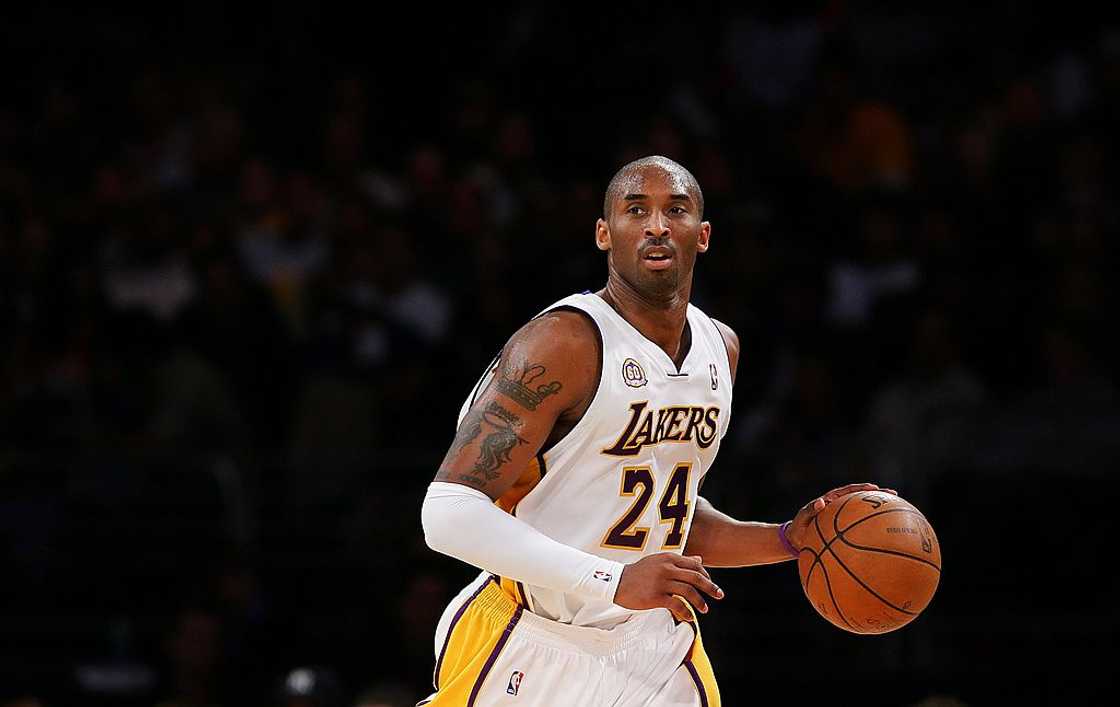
(251, 262)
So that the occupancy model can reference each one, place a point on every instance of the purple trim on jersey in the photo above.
(521, 591)
(699, 683)
(586, 313)
(494, 655)
(451, 629)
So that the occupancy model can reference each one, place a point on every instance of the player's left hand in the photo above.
(804, 518)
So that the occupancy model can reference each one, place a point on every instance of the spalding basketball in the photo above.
(871, 562)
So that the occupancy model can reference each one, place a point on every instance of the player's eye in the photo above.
(677, 210)
(635, 210)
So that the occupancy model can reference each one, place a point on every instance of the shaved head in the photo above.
(623, 178)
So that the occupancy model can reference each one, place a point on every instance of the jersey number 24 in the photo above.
(638, 481)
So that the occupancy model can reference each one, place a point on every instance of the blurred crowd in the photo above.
(242, 296)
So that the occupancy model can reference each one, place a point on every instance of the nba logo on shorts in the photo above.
(514, 682)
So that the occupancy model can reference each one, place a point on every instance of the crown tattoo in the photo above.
(525, 391)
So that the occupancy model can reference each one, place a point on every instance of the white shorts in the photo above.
(491, 650)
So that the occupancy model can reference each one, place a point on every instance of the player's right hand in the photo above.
(665, 581)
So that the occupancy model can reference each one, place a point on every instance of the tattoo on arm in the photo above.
(496, 446)
(469, 430)
(525, 390)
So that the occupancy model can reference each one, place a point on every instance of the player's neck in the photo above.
(660, 321)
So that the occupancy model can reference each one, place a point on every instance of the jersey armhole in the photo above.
(727, 359)
(484, 381)
(598, 376)
(719, 333)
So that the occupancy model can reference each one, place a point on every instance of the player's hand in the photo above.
(666, 580)
(804, 517)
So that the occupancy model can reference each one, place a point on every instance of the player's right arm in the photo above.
(547, 372)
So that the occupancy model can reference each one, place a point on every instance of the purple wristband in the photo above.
(785, 541)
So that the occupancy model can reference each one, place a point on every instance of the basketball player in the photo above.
(573, 481)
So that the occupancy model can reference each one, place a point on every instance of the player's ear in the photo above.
(602, 235)
(702, 239)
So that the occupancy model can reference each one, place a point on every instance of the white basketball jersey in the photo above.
(622, 483)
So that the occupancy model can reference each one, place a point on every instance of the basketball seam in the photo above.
(888, 552)
(870, 591)
(828, 582)
(840, 534)
(827, 544)
(816, 555)
(813, 566)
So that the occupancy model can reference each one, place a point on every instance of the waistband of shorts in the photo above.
(492, 601)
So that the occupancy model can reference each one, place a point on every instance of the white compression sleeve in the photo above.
(464, 523)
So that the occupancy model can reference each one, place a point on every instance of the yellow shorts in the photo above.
(491, 650)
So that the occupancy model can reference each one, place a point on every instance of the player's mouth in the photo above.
(658, 257)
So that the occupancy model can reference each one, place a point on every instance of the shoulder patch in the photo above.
(632, 374)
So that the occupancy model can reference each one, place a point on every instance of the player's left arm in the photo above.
(723, 541)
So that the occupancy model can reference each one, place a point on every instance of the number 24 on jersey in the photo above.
(638, 482)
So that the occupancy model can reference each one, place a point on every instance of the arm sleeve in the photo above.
(464, 523)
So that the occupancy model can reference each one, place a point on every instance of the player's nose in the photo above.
(657, 226)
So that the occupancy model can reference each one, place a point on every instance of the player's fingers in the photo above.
(890, 491)
(691, 562)
(810, 509)
(701, 582)
(689, 593)
(845, 490)
(677, 606)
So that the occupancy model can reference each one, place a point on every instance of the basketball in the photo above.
(871, 562)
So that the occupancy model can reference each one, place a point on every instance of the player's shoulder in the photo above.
(563, 332)
(731, 341)
(729, 336)
(563, 342)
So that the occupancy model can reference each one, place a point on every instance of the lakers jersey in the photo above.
(622, 483)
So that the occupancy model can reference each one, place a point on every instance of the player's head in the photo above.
(653, 227)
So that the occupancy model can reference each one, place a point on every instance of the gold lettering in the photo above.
(659, 434)
(707, 435)
(619, 449)
(644, 435)
(643, 430)
(695, 417)
(675, 420)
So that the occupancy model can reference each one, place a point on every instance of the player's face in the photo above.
(653, 232)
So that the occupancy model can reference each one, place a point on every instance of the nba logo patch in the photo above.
(514, 683)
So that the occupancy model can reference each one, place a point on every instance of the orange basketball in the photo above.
(871, 562)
